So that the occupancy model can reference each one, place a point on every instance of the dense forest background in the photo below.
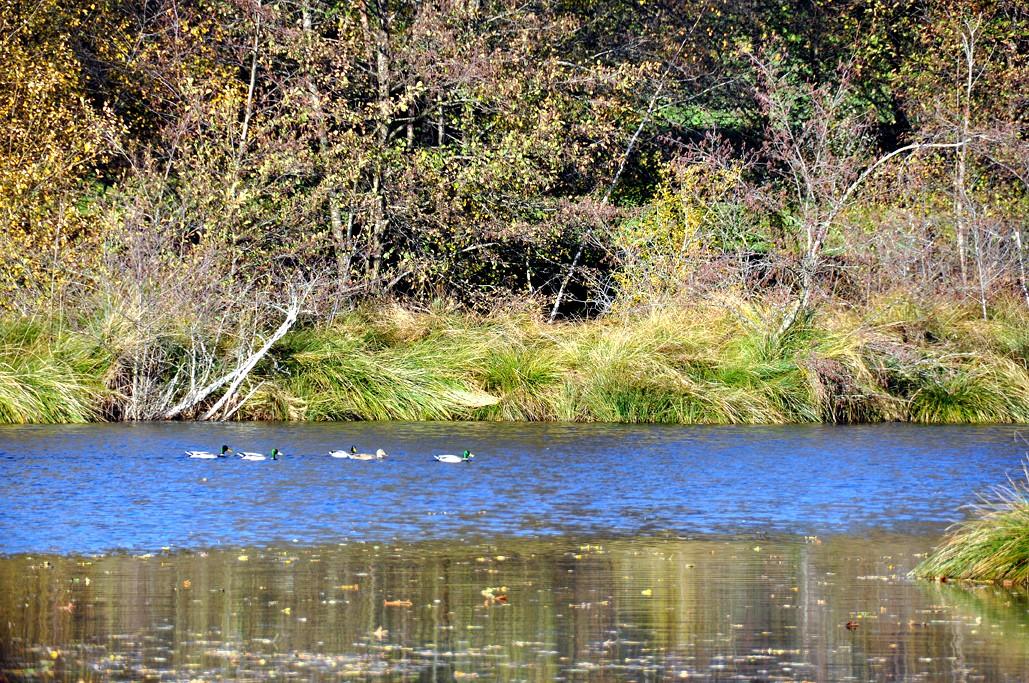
(202, 177)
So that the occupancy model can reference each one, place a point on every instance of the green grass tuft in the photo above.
(48, 376)
(992, 545)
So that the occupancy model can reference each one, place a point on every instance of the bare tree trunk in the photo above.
(409, 136)
(979, 269)
(1020, 255)
(959, 214)
(379, 224)
(439, 121)
(968, 43)
(340, 244)
(249, 110)
(380, 48)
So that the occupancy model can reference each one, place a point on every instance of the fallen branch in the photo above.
(241, 373)
(235, 378)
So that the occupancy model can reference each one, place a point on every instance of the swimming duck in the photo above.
(378, 455)
(447, 457)
(344, 455)
(207, 455)
(260, 456)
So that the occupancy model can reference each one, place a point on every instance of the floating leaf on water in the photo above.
(397, 603)
(493, 590)
(242, 558)
(647, 592)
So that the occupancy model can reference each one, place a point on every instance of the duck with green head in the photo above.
(247, 455)
(447, 457)
(207, 455)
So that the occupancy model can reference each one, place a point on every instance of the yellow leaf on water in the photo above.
(647, 592)
(287, 611)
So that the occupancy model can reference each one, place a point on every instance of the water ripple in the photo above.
(121, 486)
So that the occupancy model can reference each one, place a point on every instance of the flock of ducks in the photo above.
(352, 454)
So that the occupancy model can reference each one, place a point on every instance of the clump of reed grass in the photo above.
(339, 375)
(48, 376)
(971, 393)
(524, 377)
(992, 545)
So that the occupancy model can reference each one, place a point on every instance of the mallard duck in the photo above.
(447, 457)
(274, 455)
(378, 455)
(207, 455)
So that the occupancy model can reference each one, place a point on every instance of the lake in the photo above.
(563, 552)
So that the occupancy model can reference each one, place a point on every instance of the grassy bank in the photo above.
(48, 375)
(713, 362)
(992, 545)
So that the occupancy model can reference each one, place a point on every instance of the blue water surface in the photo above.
(94, 488)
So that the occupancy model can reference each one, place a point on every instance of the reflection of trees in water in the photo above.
(987, 612)
(619, 608)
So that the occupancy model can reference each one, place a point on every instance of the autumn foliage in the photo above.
(172, 172)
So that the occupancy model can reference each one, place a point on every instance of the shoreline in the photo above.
(703, 363)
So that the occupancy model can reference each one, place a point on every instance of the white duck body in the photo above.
(377, 455)
(207, 455)
(450, 458)
(257, 457)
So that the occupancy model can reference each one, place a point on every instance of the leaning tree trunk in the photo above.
(236, 377)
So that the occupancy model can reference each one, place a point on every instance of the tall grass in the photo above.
(726, 362)
(363, 370)
(48, 376)
(992, 545)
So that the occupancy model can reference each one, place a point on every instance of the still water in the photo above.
(563, 552)
(101, 487)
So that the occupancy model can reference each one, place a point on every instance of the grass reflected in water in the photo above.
(515, 609)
